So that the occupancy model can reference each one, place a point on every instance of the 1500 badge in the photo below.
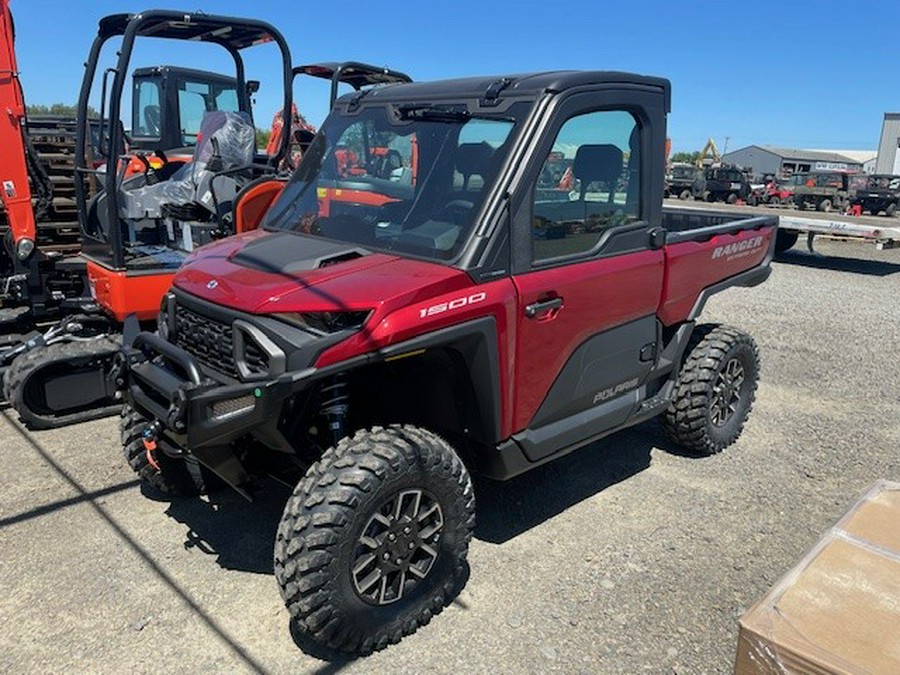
(457, 303)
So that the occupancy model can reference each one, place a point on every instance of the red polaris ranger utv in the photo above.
(386, 331)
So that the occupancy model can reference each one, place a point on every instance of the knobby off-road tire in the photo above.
(715, 390)
(400, 493)
(174, 478)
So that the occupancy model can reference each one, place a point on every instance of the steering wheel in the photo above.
(456, 211)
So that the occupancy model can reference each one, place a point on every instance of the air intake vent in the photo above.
(344, 257)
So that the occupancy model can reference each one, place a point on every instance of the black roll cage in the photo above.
(232, 34)
(354, 73)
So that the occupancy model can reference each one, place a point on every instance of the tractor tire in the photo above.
(715, 390)
(685, 196)
(174, 477)
(373, 541)
(784, 240)
(731, 198)
(890, 210)
(774, 201)
(824, 206)
(709, 197)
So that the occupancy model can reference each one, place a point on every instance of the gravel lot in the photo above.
(623, 557)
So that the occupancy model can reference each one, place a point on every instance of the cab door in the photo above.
(588, 266)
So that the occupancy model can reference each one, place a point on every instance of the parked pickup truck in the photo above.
(379, 338)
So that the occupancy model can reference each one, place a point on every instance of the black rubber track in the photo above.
(687, 420)
(325, 515)
(78, 354)
(174, 478)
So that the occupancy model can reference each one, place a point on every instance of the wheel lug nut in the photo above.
(411, 546)
(387, 556)
(399, 560)
(392, 536)
(406, 530)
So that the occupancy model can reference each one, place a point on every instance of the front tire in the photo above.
(373, 541)
(172, 477)
(715, 390)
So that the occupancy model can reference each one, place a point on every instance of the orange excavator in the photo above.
(17, 163)
(136, 227)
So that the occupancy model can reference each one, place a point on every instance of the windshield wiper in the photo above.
(431, 113)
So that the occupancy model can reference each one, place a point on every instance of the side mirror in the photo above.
(252, 87)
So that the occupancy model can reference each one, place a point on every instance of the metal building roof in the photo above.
(812, 155)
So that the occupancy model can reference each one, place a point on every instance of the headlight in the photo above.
(24, 248)
(327, 323)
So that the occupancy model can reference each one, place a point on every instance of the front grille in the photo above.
(206, 339)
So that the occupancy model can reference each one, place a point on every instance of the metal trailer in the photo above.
(842, 226)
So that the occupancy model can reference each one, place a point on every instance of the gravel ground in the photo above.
(624, 557)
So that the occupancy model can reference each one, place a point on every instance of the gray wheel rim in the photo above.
(397, 548)
(726, 393)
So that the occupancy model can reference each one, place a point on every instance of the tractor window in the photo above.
(227, 100)
(588, 183)
(146, 120)
(197, 98)
(191, 107)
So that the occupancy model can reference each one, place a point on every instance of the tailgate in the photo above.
(708, 259)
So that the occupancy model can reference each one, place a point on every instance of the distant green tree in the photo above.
(687, 157)
(262, 137)
(59, 109)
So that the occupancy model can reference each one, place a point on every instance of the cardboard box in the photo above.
(838, 610)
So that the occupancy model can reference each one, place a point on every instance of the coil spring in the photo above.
(335, 405)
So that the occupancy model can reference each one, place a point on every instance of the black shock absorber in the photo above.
(335, 404)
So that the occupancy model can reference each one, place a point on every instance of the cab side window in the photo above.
(589, 182)
(147, 113)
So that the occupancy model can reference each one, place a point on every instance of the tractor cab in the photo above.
(139, 228)
(169, 102)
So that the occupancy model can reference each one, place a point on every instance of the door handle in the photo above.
(536, 308)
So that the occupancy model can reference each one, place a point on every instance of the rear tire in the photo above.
(731, 198)
(715, 390)
(824, 205)
(400, 492)
(174, 478)
(890, 210)
(774, 201)
(685, 195)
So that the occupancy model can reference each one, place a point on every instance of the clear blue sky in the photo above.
(812, 74)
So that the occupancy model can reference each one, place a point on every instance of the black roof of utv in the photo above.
(525, 85)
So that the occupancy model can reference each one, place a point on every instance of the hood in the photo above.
(265, 272)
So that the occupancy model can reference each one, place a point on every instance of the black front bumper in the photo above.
(165, 383)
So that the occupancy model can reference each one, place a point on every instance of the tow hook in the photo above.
(149, 439)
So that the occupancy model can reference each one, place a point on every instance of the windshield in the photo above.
(683, 172)
(411, 185)
(884, 183)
